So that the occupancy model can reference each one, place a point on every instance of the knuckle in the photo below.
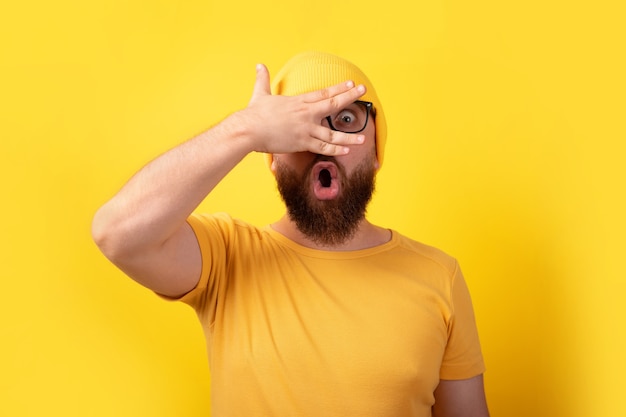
(324, 147)
(333, 103)
(324, 93)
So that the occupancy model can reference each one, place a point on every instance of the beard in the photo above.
(327, 222)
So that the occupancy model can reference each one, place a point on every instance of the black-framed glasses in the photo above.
(351, 119)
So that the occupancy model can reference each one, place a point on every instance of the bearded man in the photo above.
(321, 313)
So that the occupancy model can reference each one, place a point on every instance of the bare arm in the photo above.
(143, 228)
(462, 398)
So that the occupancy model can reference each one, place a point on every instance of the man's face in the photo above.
(326, 202)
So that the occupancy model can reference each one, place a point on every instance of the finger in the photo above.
(325, 148)
(262, 83)
(339, 101)
(329, 92)
(325, 136)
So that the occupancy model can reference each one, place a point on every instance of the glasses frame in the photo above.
(368, 106)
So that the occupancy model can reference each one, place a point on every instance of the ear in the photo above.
(272, 163)
(269, 162)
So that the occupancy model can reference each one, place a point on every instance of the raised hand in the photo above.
(286, 124)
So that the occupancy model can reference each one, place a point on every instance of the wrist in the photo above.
(242, 130)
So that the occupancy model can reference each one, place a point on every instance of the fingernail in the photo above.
(350, 84)
(361, 88)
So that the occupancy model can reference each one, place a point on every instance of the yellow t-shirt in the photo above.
(293, 331)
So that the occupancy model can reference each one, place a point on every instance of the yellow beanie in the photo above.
(311, 71)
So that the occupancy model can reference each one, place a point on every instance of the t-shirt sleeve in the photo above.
(463, 357)
(213, 233)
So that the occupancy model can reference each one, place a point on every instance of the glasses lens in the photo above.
(351, 119)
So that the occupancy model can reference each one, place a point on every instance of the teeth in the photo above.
(324, 178)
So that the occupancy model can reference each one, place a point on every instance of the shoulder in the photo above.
(224, 230)
(222, 222)
(426, 253)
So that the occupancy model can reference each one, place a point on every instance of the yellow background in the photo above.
(506, 149)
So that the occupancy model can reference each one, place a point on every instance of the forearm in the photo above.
(157, 200)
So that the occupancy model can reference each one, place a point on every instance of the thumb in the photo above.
(262, 84)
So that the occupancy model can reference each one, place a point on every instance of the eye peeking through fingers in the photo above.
(351, 119)
(346, 119)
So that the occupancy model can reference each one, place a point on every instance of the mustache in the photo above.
(324, 158)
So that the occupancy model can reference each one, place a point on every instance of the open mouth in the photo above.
(325, 178)
(325, 182)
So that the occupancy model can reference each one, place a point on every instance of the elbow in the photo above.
(107, 236)
(121, 239)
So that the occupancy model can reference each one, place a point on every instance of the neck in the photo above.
(367, 235)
